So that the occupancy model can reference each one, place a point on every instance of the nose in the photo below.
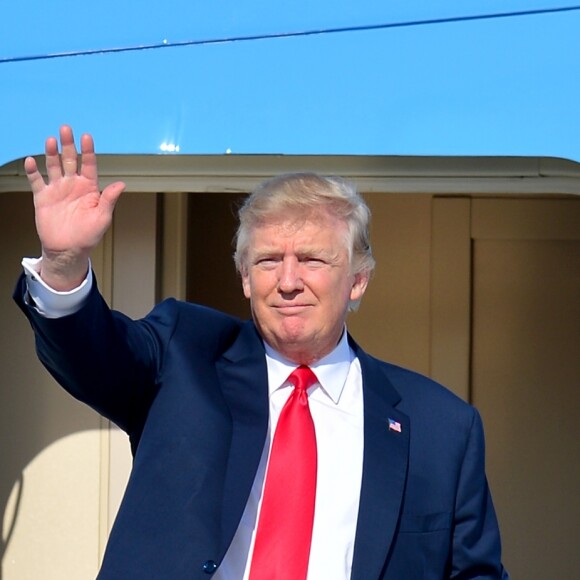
(290, 278)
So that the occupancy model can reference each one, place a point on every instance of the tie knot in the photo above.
(302, 378)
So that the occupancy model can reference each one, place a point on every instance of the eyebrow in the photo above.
(306, 251)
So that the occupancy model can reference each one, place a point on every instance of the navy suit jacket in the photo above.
(189, 386)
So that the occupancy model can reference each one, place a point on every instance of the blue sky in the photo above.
(492, 86)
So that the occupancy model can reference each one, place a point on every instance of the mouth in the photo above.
(291, 309)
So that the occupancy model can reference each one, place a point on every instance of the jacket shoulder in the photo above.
(203, 327)
(421, 394)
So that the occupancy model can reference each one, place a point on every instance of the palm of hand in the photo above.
(72, 215)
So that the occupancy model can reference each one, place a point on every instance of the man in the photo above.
(269, 449)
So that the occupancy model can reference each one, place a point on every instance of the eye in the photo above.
(267, 262)
(313, 261)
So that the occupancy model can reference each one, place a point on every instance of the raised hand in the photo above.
(72, 215)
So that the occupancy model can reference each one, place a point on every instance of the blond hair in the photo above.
(300, 194)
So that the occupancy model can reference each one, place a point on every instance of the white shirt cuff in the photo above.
(51, 303)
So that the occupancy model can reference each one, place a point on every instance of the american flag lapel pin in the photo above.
(394, 426)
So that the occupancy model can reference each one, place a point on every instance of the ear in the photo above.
(246, 283)
(361, 281)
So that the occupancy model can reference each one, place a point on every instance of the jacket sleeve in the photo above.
(102, 357)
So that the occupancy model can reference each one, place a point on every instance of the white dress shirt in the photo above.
(336, 405)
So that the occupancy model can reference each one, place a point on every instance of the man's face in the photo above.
(298, 278)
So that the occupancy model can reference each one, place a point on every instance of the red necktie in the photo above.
(284, 533)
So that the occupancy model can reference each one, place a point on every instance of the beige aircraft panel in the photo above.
(526, 376)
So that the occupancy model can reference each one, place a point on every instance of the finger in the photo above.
(33, 175)
(53, 168)
(69, 151)
(89, 159)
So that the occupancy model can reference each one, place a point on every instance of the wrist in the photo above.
(63, 272)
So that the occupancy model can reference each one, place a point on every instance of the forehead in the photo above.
(318, 227)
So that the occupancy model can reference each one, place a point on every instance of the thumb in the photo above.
(111, 195)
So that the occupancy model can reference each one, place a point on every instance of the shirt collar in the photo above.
(331, 370)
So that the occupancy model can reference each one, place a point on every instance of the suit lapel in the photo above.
(386, 452)
(244, 380)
